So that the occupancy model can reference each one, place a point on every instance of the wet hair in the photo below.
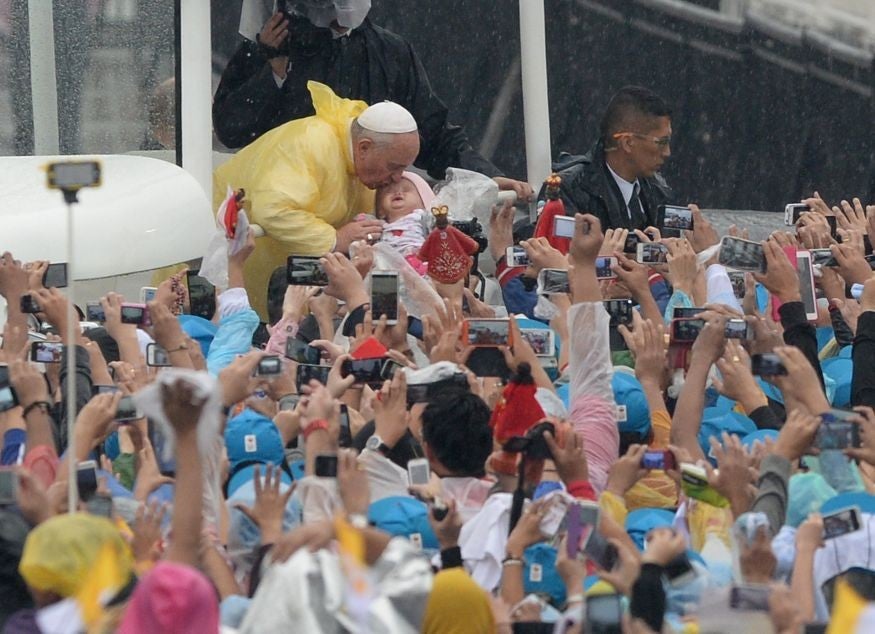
(276, 293)
(455, 425)
(627, 107)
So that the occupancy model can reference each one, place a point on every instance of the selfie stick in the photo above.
(70, 188)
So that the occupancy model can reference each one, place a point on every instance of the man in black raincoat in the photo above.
(265, 82)
(618, 180)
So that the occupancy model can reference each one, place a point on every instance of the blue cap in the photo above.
(841, 371)
(247, 473)
(865, 501)
(253, 436)
(629, 393)
(201, 330)
(761, 435)
(641, 521)
(723, 405)
(540, 575)
(403, 516)
(715, 423)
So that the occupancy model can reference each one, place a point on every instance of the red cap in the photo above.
(371, 348)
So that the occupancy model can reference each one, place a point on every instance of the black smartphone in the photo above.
(600, 551)
(387, 372)
(55, 276)
(308, 372)
(201, 296)
(631, 244)
(837, 434)
(738, 329)
(344, 440)
(674, 217)
(302, 352)
(270, 365)
(302, 270)
(86, 479)
(750, 597)
(29, 305)
(364, 371)
(127, 410)
(686, 330)
(384, 296)
(326, 466)
(767, 364)
(46, 351)
(683, 312)
(841, 522)
(8, 486)
(620, 311)
(742, 255)
(94, 312)
(136, 314)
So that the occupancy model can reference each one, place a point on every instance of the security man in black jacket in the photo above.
(265, 85)
(618, 180)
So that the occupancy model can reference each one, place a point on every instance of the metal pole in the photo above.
(43, 87)
(196, 92)
(72, 336)
(536, 102)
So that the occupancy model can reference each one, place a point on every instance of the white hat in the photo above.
(387, 118)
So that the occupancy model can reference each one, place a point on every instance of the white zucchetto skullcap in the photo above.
(387, 118)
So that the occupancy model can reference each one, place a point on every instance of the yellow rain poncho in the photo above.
(78, 556)
(457, 605)
(300, 185)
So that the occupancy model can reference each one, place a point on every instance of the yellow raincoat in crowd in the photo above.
(300, 185)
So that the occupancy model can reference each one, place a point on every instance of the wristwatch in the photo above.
(375, 443)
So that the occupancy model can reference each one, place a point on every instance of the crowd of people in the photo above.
(681, 452)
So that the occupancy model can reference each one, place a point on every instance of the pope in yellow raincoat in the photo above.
(301, 186)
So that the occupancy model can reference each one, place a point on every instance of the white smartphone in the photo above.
(157, 357)
(793, 211)
(418, 472)
(651, 253)
(553, 282)
(147, 294)
(384, 296)
(604, 267)
(805, 269)
(541, 340)
(516, 256)
(563, 226)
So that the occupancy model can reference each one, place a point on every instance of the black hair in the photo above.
(276, 293)
(628, 103)
(455, 424)
(108, 346)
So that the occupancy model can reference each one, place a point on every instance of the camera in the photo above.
(326, 466)
(474, 230)
(533, 443)
(269, 366)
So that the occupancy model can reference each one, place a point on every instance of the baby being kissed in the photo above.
(402, 206)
